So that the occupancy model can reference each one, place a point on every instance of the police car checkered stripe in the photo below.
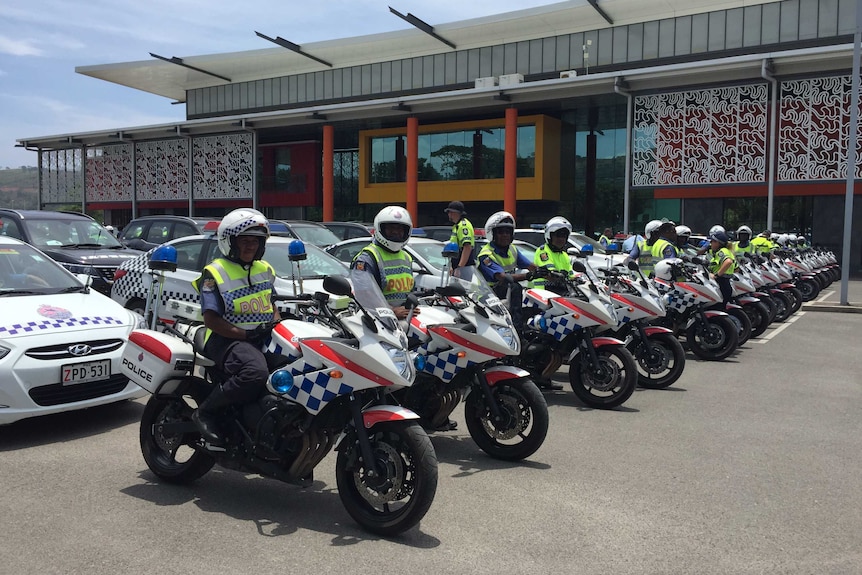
(136, 283)
(315, 389)
(49, 324)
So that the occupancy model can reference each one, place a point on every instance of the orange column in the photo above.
(413, 169)
(328, 175)
(510, 166)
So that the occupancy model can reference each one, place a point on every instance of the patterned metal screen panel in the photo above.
(162, 170)
(109, 173)
(715, 136)
(814, 128)
(62, 177)
(224, 166)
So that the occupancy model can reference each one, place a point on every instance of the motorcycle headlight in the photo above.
(508, 336)
(401, 359)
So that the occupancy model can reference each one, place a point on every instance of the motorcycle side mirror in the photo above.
(453, 290)
(338, 285)
(412, 301)
(574, 252)
(696, 260)
(579, 267)
(633, 265)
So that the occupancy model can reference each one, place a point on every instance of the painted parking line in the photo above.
(779, 329)
(822, 299)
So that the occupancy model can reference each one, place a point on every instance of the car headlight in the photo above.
(507, 334)
(401, 360)
(80, 269)
(4, 351)
(138, 320)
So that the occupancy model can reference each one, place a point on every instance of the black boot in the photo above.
(206, 415)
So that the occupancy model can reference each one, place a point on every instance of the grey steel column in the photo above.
(851, 156)
(766, 73)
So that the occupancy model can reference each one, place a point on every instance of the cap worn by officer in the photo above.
(455, 206)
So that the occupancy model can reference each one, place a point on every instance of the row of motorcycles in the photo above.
(347, 376)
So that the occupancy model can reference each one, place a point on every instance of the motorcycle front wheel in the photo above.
(608, 384)
(714, 340)
(523, 422)
(743, 324)
(400, 491)
(758, 315)
(784, 303)
(171, 457)
(661, 362)
(808, 288)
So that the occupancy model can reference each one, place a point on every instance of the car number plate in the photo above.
(75, 373)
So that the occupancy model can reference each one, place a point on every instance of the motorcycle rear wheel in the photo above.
(715, 341)
(395, 500)
(524, 424)
(611, 383)
(171, 458)
(660, 365)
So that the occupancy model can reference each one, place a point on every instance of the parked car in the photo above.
(147, 232)
(75, 241)
(133, 278)
(349, 230)
(443, 233)
(60, 341)
(601, 258)
(309, 232)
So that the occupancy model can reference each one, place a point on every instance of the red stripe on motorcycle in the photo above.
(603, 341)
(455, 338)
(152, 345)
(690, 287)
(654, 329)
(417, 323)
(281, 330)
(321, 348)
(621, 298)
(568, 303)
(502, 373)
(382, 413)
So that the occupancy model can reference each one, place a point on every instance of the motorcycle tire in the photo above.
(808, 288)
(758, 313)
(399, 495)
(795, 298)
(785, 306)
(771, 308)
(743, 325)
(171, 458)
(716, 341)
(524, 424)
(611, 384)
(661, 363)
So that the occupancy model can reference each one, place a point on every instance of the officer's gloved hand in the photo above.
(259, 334)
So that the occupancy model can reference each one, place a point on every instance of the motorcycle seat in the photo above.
(198, 341)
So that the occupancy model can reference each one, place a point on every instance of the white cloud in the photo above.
(18, 47)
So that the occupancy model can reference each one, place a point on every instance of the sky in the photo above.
(42, 41)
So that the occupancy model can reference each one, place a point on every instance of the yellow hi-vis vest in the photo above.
(396, 273)
(547, 258)
(646, 260)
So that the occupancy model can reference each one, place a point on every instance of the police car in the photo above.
(133, 278)
(60, 340)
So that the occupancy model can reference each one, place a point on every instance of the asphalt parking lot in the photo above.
(750, 465)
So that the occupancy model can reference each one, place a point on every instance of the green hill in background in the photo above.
(19, 188)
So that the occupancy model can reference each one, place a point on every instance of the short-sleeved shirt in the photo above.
(490, 267)
(463, 235)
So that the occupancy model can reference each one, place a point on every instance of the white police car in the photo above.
(60, 341)
(133, 278)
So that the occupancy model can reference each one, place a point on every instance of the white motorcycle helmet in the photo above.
(241, 222)
(683, 231)
(666, 269)
(744, 230)
(716, 228)
(651, 227)
(783, 239)
(556, 224)
(499, 219)
(392, 215)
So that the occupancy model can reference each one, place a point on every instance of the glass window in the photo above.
(666, 37)
(523, 56)
(396, 76)
(9, 228)
(510, 56)
(462, 73)
(790, 21)
(365, 78)
(699, 33)
(733, 29)
(604, 48)
(451, 68)
(535, 47)
(134, 231)
(807, 19)
(846, 16)
(526, 151)
(182, 230)
(485, 61)
(188, 255)
(473, 64)
(159, 232)
(771, 24)
(549, 54)
(620, 44)
(827, 21)
(376, 72)
(751, 26)
(650, 40)
(562, 62)
(717, 21)
(439, 68)
(635, 43)
(682, 37)
(327, 84)
(386, 77)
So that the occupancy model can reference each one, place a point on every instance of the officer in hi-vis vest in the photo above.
(386, 259)
(235, 294)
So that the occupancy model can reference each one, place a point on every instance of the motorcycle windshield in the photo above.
(477, 288)
(367, 293)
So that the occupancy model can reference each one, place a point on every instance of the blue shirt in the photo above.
(492, 268)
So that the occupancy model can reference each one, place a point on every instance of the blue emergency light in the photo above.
(450, 250)
(163, 258)
(296, 251)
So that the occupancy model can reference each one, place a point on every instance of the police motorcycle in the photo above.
(659, 355)
(563, 329)
(805, 278)
(766, 283)
(461, 337)
(778, 276)
(689, 297)
(328, 389)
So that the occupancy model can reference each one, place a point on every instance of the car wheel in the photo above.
(137, 305)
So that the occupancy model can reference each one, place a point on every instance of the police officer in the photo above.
(552, 254)
(722, 264)
(606, 238)
(664, 246)
(386, 259)
(462, 235)
(762, 244)
(235, 294)
(743, 244)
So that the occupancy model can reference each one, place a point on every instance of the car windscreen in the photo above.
(315, 235)
(26, 270)
(52, 233)
(317, 263)
(580, 240)
(432, 252)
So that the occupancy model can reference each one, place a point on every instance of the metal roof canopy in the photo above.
(539, 22)
(705, 72)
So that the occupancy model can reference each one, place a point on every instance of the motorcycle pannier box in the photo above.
(152, 357)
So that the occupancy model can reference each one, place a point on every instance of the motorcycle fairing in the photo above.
(498, 373)
(382, 413)
(655, 329)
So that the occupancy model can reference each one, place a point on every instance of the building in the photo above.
(609, 112)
